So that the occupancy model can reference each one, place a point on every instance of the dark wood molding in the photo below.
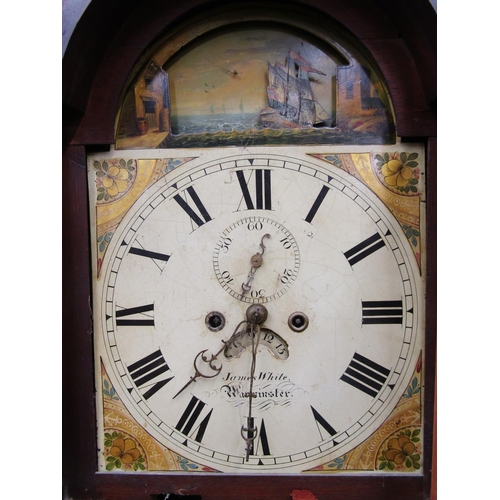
(106, 45)
(78, 385)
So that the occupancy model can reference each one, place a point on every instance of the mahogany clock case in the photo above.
(400, 37)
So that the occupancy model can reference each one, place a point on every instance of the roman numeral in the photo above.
(148, 321)
(199, 205)
(146, 370)
(365, 375)
(147, 253)
(382, 312)
(321, 421)
(190, 417)
(317, 203)
(262, 189)
(364, 249)
(262, 440)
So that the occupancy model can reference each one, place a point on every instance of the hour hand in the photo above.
(202, 358)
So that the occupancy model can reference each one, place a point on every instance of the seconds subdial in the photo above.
(241, 245)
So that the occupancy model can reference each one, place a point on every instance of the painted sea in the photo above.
(245, 129)
(223, 122)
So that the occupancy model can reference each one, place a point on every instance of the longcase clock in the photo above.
(259, 262)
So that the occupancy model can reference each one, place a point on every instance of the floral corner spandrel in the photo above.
(128, 447)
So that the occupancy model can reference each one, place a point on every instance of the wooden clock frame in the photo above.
(107, 43)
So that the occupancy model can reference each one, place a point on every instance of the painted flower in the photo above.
(399, 449)
(115, 180)
(396, 173)
(399, 171)
(402, 452)
(125, 450)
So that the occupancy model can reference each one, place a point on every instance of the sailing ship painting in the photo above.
(291, 102)
(255, 87)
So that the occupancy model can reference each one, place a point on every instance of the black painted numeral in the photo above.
(365, 375)
(317, 203)
(364, 249)
(382, 312)
(147, 253)
(321, 421)
(190, 417)
(262, 189)
(205, 216)
(132, 311)
(146, 371)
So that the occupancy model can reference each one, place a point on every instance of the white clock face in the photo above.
(305, 243)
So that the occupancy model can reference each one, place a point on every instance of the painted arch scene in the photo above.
(256, 85)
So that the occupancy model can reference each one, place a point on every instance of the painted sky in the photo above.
(227, 70)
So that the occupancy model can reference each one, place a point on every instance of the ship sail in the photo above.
(289, 92)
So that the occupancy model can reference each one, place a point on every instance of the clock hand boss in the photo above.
(256, 262)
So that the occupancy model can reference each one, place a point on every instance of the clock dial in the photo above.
(259, 311)
(259, 278)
